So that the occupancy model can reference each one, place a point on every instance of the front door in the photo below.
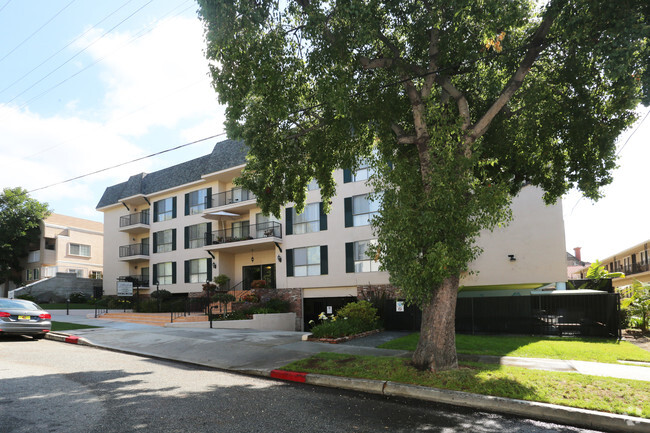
(259, 272)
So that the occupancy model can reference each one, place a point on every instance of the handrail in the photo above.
(135, 218)
(134, 250)
(235, 195)
(253, 231)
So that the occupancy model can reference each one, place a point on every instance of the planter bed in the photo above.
(343, 339)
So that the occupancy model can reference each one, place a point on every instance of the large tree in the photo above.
(20, 216)
(457, 103)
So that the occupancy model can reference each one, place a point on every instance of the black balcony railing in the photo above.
(633, 268)
(255, 231)
(137, 280)
(235, 195)
(134, 250)
(135, 218)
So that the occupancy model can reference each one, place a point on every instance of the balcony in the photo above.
(134, 252)
(633, 268)
(135, 222)
(244, 238)
(137, 280)
(234, 199)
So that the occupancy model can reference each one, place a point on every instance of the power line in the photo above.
(70, 43)
(35, 31)
(129, 162)
(5, 5)
(70, 59)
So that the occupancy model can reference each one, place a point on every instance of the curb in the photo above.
(583, 418)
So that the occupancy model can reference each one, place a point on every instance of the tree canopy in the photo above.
(457, 104)
(20, 216)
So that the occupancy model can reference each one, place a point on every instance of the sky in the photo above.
(87, 85)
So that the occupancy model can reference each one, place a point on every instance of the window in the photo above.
(360, 209)
(37, 273)
(241, 230)
(312, 219)
(164, 210)
(195, 235)
(363, 172)
(34, 256)
(308, 221)
(266, 225)
(312, 185)
(306, 261)
(28, 275)
(95, 275)
(197, 201)
(357, 258)
(50, 243)
(164, 241)
(164, 273)
(198, 270)
(80, 250)
(78, 272)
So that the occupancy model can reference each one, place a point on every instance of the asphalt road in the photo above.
(53, 387)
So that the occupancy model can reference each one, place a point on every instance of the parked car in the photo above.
(21, 317)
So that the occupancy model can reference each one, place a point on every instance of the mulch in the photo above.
(637, 338)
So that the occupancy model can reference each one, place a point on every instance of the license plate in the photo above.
(24, 317)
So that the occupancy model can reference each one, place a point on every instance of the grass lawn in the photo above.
(579, 349)
(65, 326)
(605, 394)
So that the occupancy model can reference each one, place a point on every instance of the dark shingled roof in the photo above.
(226, 154)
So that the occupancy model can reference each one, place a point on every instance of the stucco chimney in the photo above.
(576, 253)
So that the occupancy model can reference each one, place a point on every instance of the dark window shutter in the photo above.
(323, 217)
(155, 211)
(208, 199)
(349, 257)
(187, 204)
(347, 204)
(154, 278)
(289, 221)
(289, 257)
(347, 175)
(323, 260)
(173, 207)
(208, 235)
(187, 237)
(173, 239)
(209, 269)
(173, 272)
(155, 242)
(187, 271)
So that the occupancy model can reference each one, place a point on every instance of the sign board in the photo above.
(399, 306)
(329, 309)
(124, 288)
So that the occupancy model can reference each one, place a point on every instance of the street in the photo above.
(56, 387)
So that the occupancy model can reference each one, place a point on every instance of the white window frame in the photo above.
(163, 278)
(80, 249)
(306, 261)
(78, 272)
(362, 217)
(198, 270)
(364, 171)
(308, 221)
(362, 262)
(34, 256)
(196, 204)
(199, 239)
(162, 242)
(165, 214)
(313, 185)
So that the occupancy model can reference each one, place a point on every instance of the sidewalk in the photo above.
(262, 352)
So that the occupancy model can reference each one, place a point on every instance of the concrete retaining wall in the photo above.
(262, 322)
(58, 288)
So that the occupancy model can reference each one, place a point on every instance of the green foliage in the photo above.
(20, 216)
(162, 294)
(224, 298)
(222, 280)
(638, 306)
(360, 310)
(78, 298)
(597, 271)
(341, 328)
(27, 298)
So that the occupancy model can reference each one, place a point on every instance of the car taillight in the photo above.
(4, 314)
(45, 316)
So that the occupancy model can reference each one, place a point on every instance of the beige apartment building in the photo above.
(633, 262)
(67, 244)
(188, 223)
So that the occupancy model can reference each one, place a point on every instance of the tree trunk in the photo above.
(436, 349)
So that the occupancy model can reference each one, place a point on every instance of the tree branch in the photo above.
(382, 62)
(402, 136)
(517, 79)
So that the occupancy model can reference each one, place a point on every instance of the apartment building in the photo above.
(69, 245)
(185, 224)
(633, 262)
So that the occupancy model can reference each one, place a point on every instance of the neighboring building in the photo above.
(66, 245)
(633, 262)
(185, 224)
(576, 269)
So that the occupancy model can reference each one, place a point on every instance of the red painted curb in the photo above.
(293, 376)
(72, 339)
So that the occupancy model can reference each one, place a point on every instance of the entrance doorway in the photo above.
(259, 272)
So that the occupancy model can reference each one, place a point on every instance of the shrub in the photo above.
(78, 298)
(250, 297)
(258, 284)
(335, 328)
(27, 298)
(162, 294)
(277, 305)
(360, 310)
